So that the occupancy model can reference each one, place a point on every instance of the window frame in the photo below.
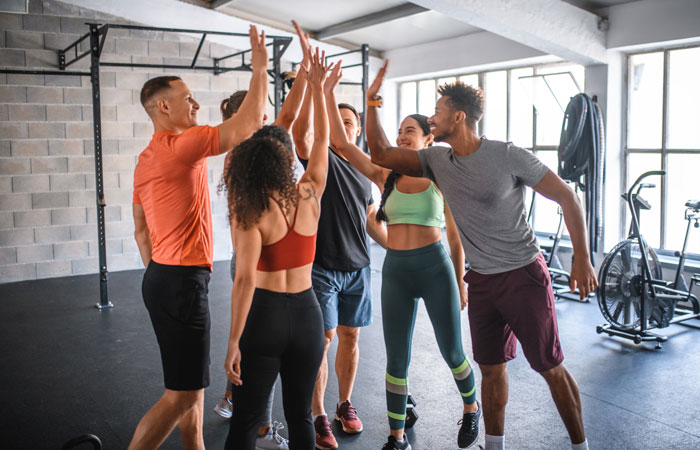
(664, 151)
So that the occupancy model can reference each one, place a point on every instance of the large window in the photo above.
(663, 132)
(520, 107)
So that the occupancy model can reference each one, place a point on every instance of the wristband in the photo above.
(375, 102)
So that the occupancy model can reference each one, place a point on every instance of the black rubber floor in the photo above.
(67, 369)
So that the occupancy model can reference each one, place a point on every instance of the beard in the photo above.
(442, 137)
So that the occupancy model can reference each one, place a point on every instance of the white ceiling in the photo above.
(315, 15)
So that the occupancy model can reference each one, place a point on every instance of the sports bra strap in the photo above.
(283, 214)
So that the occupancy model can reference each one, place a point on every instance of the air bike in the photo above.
(632, 294)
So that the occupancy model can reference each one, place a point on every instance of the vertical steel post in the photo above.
(277, 72)
(365, 85)
(99, 184)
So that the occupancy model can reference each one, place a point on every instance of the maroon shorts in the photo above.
(515, 304)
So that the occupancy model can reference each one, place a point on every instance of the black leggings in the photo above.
(283, 335)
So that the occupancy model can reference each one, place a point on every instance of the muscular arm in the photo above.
(402, 160)
(142, 234)
(375, 229)
(303, 131)
(456, 254)
(349, 150)
(292, 104)
(249, 117)
(582, 273)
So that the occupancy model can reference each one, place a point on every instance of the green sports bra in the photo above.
(422, 208)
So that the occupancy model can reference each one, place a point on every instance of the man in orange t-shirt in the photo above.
(173, 230)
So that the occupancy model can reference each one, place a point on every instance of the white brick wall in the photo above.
(47, 181)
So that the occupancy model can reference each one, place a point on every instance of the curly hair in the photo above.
(462, 97)
(394, 175)
(259, 166)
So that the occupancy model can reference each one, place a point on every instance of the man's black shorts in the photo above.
(176, 299)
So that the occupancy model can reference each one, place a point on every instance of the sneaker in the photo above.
(272, 440)
(324, 437)
(224, 408)
(346, 414)
(469, 430)
(393, 444)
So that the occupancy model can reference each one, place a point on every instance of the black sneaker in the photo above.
(393, 444)
(469, 430)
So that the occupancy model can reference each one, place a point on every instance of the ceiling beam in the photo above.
(216, 4)
(386, 15)
(550, 26)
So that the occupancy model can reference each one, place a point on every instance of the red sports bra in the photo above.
(293, 250)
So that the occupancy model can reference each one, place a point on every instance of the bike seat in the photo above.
(695, 204)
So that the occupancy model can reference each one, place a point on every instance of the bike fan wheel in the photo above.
(619, 291)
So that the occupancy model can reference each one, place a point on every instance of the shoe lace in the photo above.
(276, 426)
(473, 424)
(323, 426)
(348, 411)
(390, 445)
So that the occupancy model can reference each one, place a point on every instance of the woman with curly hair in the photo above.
(276, 324)
(416, 266)
(268, 432)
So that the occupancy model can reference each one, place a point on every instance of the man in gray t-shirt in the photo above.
(510, 292)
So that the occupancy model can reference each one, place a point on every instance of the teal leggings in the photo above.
(407, 276)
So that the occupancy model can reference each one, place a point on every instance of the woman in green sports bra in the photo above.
(416, 266)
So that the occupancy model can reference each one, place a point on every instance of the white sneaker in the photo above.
(224, 408)
(272, 440)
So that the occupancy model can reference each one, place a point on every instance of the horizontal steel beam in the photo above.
(396, 12)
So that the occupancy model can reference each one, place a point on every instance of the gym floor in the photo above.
(69, 369)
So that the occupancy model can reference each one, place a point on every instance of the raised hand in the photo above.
(318, 71)
(258, 49)
(373, 90)
(333, 78)
(305, 45)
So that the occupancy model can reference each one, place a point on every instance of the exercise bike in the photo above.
(632, 294)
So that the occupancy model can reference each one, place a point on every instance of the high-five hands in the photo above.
(318, 70)
(373, 90)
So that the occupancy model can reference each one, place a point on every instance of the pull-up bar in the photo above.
(97, 34)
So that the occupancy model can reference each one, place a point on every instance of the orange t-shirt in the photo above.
(171, 183)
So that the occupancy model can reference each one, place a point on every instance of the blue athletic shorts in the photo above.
(345, 297)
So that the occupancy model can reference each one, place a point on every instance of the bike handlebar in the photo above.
(643, 176)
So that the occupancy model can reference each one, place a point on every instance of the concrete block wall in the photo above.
(47, 181)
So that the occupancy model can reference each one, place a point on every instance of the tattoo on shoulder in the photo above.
(309, 193)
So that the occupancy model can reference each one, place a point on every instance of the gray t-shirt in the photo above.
(486, 195)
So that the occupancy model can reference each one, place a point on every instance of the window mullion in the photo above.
(664, 143)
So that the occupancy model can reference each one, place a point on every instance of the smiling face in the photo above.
(180, 105)
(443, 122)
(350, 124)
(411, 135)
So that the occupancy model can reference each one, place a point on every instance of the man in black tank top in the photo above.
(341, 273)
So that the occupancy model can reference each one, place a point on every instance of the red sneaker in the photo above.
(347, 415)
(324, 436)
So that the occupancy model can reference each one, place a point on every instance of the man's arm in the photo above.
(339, 139)
(582, 272)
(402, 160)
(303, 130)
(249, 117)
(456, 254)
(292, 104)
(376, 229)
(142, 234)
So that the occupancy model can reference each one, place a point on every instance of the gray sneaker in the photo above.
(224, 408)
(272, 440)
